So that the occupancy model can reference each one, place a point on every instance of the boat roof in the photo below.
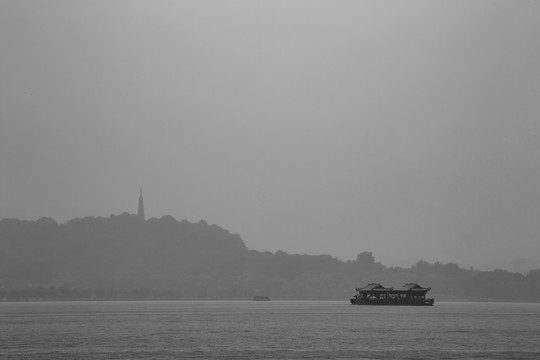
(413, 287)
(405, 288)
(373, 287)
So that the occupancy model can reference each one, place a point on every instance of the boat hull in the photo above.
(406, 302)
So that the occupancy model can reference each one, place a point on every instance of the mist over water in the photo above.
(312, 127)
(269, 330)
(405, 132)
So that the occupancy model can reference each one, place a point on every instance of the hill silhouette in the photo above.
(125, 257)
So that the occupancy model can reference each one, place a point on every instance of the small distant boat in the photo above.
(261, 298)
(408, 294)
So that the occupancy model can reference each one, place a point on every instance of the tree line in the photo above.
(123, 257)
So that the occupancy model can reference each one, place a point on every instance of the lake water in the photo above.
(267, 330)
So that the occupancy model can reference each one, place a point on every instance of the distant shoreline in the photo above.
(346, 302)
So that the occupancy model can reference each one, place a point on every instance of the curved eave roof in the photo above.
(375, 287)
(412, 287)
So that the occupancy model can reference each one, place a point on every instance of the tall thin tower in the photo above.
(140, 212)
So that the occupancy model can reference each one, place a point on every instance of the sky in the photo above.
(408, 129)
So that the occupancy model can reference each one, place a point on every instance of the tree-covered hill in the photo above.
(124, 257)
(120, 251)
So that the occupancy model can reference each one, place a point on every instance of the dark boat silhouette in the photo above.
(376, 294)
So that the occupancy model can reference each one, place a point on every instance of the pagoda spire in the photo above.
(140, 212)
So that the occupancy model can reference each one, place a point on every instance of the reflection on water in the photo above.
(267, 330)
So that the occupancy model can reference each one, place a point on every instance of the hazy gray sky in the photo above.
(405, 128)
